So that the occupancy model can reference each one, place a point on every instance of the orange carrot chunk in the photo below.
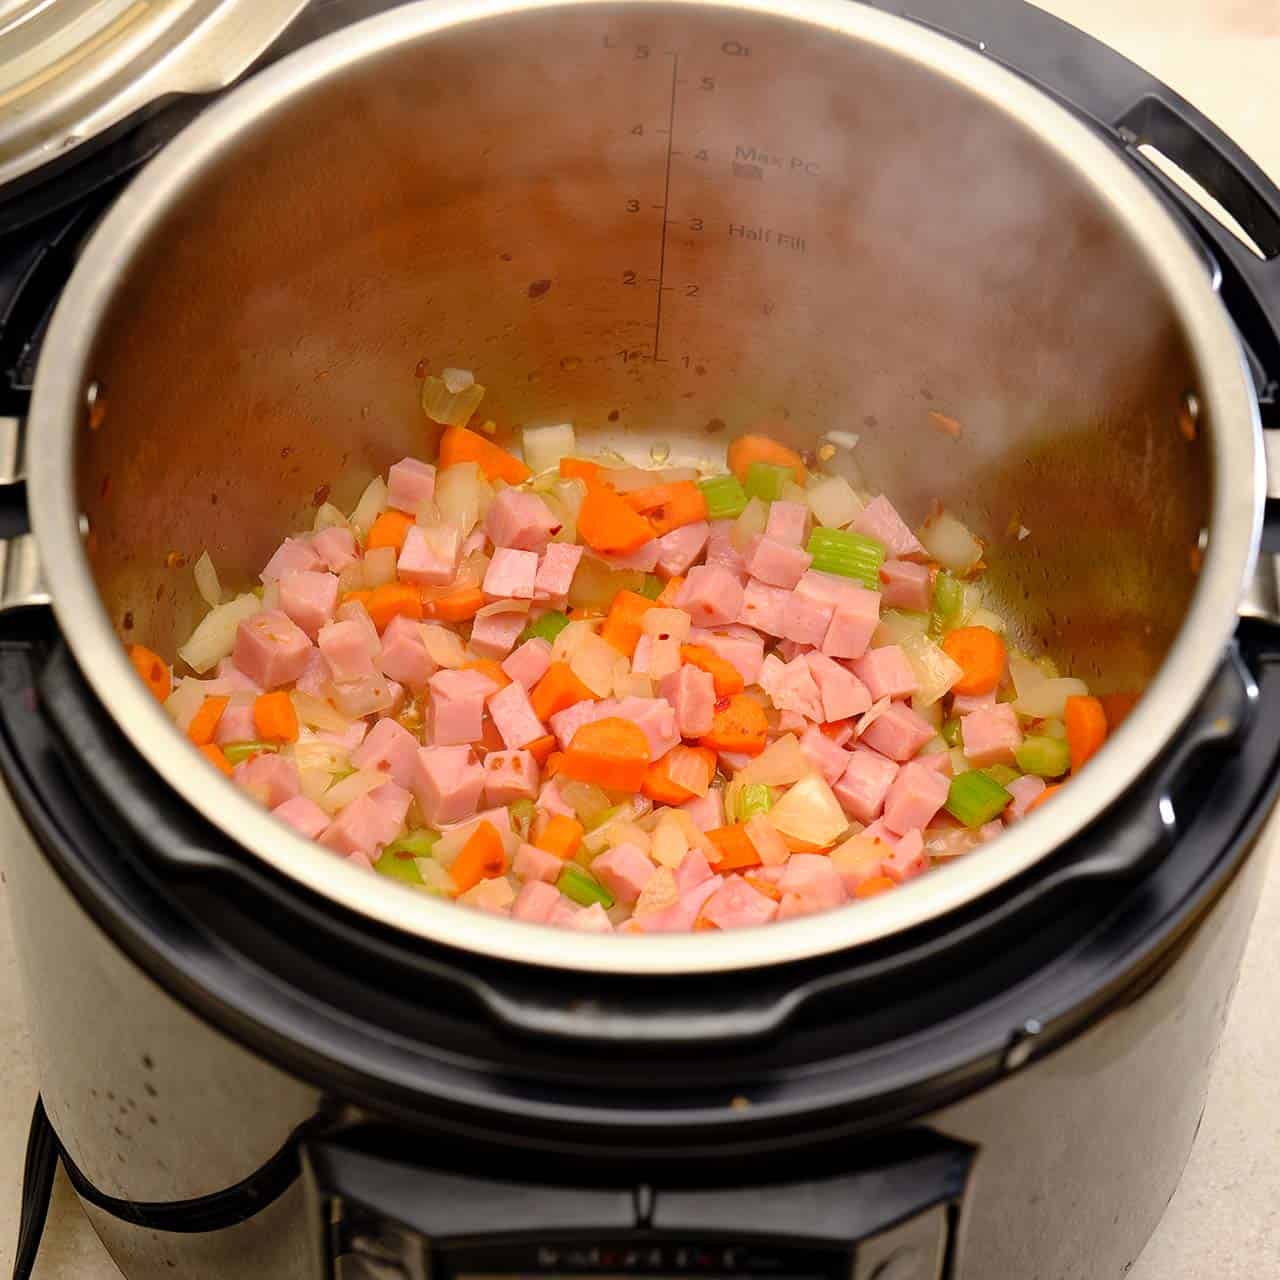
(153, 669)
(670, 506)
(357, 597)
(659, 785)
(580, 469)
(489, 668)
(607, 524)
(748, 449)
(727, 677)
(454, 606)
(558, 689)
(205, 721)
(1086, 729)
(611, 753)
(622, 627)
(980, 654)
(457, 444)
(734, 847)
(213, 754)
(667, 599)
(393, 599)
(739, 725)
(389, 530)
(872, 886)
(541, 748)
(274, 717)
(481, 858)
(562, 835)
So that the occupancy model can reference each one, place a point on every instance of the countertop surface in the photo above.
(1224, 55)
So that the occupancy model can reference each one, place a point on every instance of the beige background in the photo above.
(1225, 56)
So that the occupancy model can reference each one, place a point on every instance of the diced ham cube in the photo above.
(236, 724)
(736, 904)
(813, 878)
(851, 630)
(410, 484)
(989, 830)
(509, 776)
(707, 812)
(788, 523)
(457, 706)
(906, 585)
(514, 717)
(741, 647)
(990, 736)
(393, 800)
(963, 703)
(840, 732)
(907, 859)
(303, 815)
(367, 695)
(271, 649)
(529, 663)
(309, 599)
(692, 693)
(354, 611)
(592, 919)
(790, 686)
(721, 551)
(270, 777)
(293, 555)
(1025, 791)
(404, 656)
(843, 694)
(511, 575)
(564, 724)
(555, 573)
(532, 863)
(711, 595)
(693, 870)
(644, 559)
(938, 761)
(344, 645)
(899, 732)
(361, 860)
(391, 748)
(865, 784)
(765, 607)
(536, 901)
(493, 635)
(878, 831)
(349, 739)
(447, 783)
(551, 801)
(520, 520)
(624, 870)
(917, 793)
(430, 557)
(806, 621)
(679, 549)
(336, 547)
(831, 589)
(777, 563)
(680, 915)
(656, 718)
(886, 672)
(316, 677)
(880, 520)
(368, 822)
(235, 679)
(828, 759)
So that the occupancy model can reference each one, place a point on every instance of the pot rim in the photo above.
(1232, 434)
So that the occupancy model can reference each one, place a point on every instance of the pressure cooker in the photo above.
(680, 218)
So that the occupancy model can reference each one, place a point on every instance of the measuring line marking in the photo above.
(666, 205)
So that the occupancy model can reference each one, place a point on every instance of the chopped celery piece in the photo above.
(948, 603)
(398, 866)
(765, 481)
(415, 844)
(652, 588)
(579, 885)
(752, 799)
(238, 751)
(522, 812)
(546, 628)
(726, 498)
(617, 811)
(951, 731)
(975, 798)
(851, 555)
(1001, 774)
(1044, 756)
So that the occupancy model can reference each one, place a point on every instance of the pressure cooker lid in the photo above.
(73, 69)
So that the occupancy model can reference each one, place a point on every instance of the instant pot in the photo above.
(676, 221)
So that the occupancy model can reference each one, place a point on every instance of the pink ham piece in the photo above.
(404, 656)
(315, 679)
(765, 608)
(555, 573)
(843, 694)
(788, 523)
(828, 759)
(410, 484)
(361, 860)
(535, 902)
(777, 563)
(721, 551)
(344, 645)
(692, 693)
(656, 717)
(551, 801)
(233, 679)
(678, 549)
(368, 822)
(520, 520)
(851, 629)
(270, 777)
(643, 559)
(447, 783)
(363, 697)
(908, 858)
(791, 686)
(813, 878)
(989, 830)
(336, 547)
(711, 596)
(430, 557)
(509, 776)
(706, 812)
(681, 914)
(529, 663)
(938, 761)
(990, 736)
(906, 585)
(393, 800)
(532, 863)
(806, 621)
(271, 649)
(917, 793)
(878, 831)
(349, 739)
(1025, 791)
(865, 784)
(693, 870)
(511, 575)
(739, 646)
(592, 919)
(354, 611)
(514, 717)
(564, 724)
(788, 650)
(840, 732)
(236, 724)
(309, 598)
(736, 904)
(899, 732)
(624, 870)
(391, 748)
(880, 520)
(963, 703)
(493, 635)
(293, 555)
(457, 706)
(886, 672)
(303, 815)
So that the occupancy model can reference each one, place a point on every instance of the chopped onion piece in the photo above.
(668, 843)
(843, 439)
(779, 765)
(597, 663)
(630, 685)
(689, 769)
(832, 501)
(587, 801)
(373, 502)
(379, 566)
(896, 625)
(351, 578)
(768, 843)
(436, 879)
(545, 446)
(351, 788)
(186, 699)
(986, 618)
(450, 408)
(215, 637)
(318, 713)
(1048, 700)
(455, 835)
(1026, 675)
(460, 495)
(660, 893)
(326, 756)
(629, 479)
(457, 380)
(674, 623)
(595, 584)
(565, 646)
(935, 671)
(444, 647)
(792, 492)
(750, 523)
(328, 517)
(694, 834)
(623, 832)
(810, 812)
(314, 783)
(207, 581)
(950, 543)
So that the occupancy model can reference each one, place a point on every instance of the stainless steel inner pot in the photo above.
(668, 222)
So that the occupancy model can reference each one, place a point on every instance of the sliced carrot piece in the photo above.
(1044, 795)
(739, 725)
(357, 597)
(703, 925)
(803, 846)
(874, 885)
(455, 606)
(748, 449)
(661, 788)
(562, 836)
(580, 469)
(608, 525)
(622, 627)
(612, 753)
(153, 669)
(457, 444)
(734, 847)
(727, 677)
(554, 761)
(667, 597)
(1086, 729)
(205, 721)
(670, 506)
(481, 858)
(213, 754)
(558, 689)
(388, 530)
(1115, 706)
(393, 599)
(274, 717)
(541, 748)
(488, 667)
(980, 654)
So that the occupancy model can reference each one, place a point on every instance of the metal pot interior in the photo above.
(854, 222)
